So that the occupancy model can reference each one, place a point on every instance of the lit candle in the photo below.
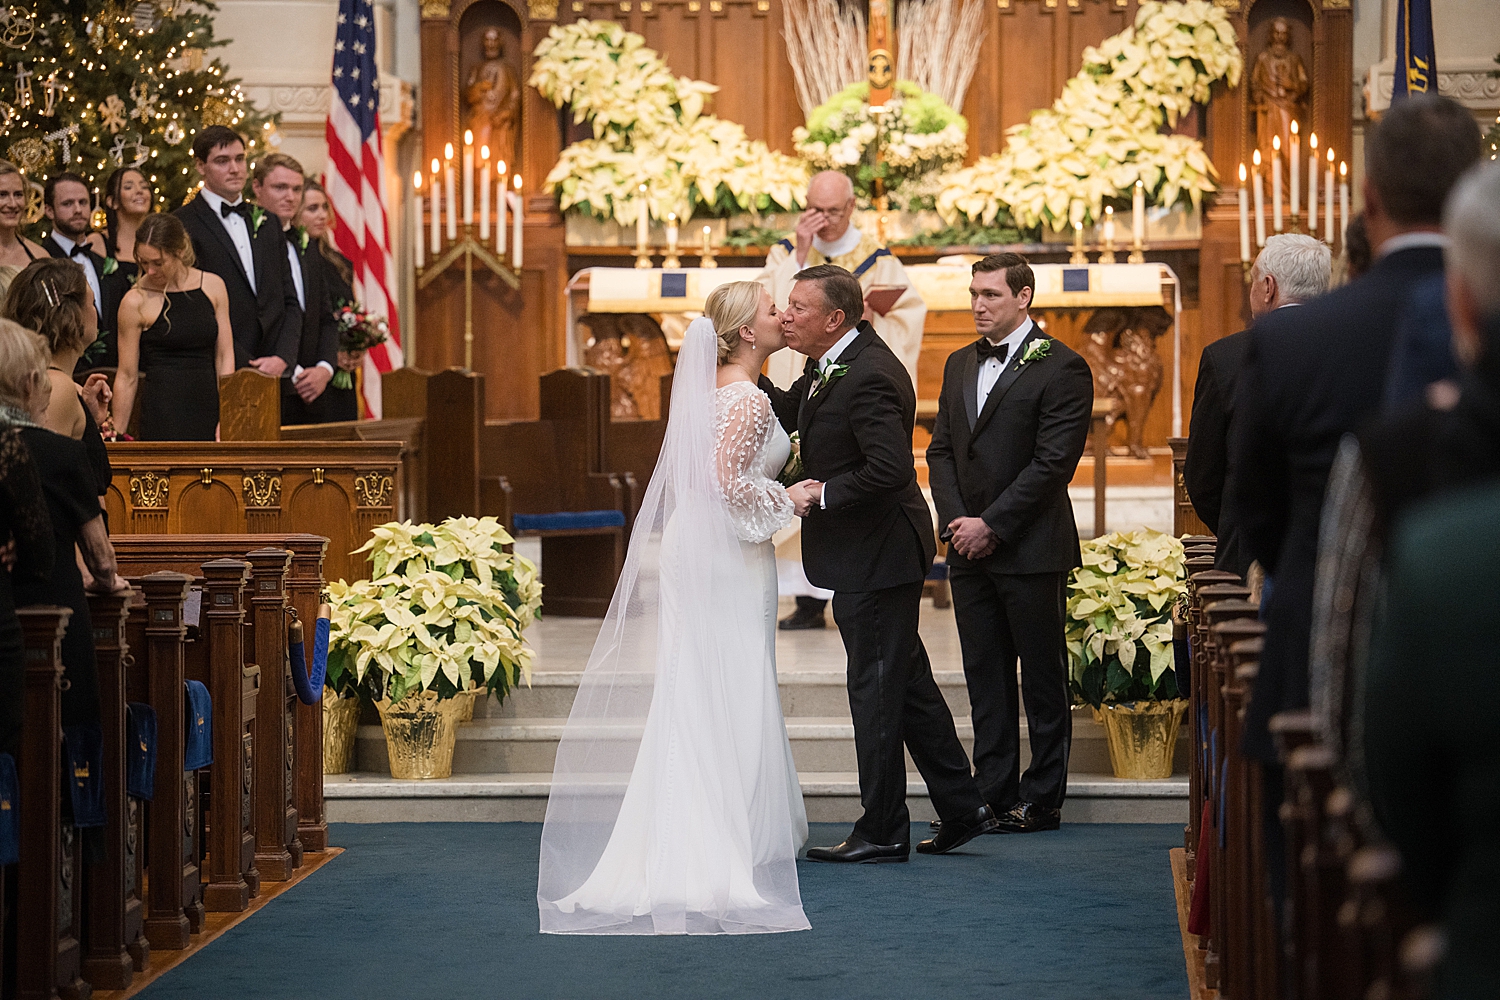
(1138, 214)
(708, 232)
(468, 178)
(451, 186)
(1343, 201)
(640, 220)
(672, 233)
(484, 193)
(515, 255)
(437, 207)
(500, 195)
(1328, 197)
(1109, 225)
(1312, 184)
(1293, 155)
(416, 184)
(1244, 218)
(1276, 182)
(1260, 200)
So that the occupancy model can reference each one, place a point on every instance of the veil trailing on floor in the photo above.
(662, 816)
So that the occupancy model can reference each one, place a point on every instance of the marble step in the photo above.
(830, 797)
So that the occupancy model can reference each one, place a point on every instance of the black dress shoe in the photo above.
(803, 618)
(957, 832)
(1028, 817)
(854, 851)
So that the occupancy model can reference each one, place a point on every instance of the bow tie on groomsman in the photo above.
(79, 250)
(988, 350)
(240, 208)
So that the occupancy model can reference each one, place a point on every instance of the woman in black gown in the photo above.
(175, 339)
(127, 201)
(338, 273)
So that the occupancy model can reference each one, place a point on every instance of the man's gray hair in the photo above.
(1472, 221)
(1300, 264)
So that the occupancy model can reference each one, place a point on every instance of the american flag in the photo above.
(356, 182)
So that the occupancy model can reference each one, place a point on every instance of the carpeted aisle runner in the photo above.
(449, 910)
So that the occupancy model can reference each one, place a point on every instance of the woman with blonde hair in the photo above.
(16, 251)
(174, 338)
(675, 806)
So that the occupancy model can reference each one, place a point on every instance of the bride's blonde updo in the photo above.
(731, 307)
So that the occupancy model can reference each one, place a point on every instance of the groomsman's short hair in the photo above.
(213, 137)
(1416, 153)
(1017, 270)
(50, 188)
(840, 290)
(270, 162)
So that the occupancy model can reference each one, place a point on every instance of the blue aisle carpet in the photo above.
(449, 910)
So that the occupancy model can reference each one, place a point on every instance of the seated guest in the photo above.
(52, 298)
(25, 529)
(69, 207)
(1289, 271)
(16, 251)
(77, 521)
(277, 182)
(231, 239)
(316, 218)
(175, 339)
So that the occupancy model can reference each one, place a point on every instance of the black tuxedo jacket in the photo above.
(1206, 469)
(112, 287)
(1312, 374)
(320, 332)
(1010, 463)
(266, 320)
(856, 439)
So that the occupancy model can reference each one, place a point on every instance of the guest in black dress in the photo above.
(127, 201)
(175, 340)
(25, 529)
(338, 273)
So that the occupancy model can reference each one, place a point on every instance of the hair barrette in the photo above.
(52, 297)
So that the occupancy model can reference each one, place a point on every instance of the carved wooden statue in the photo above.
(493, 94)
(1278, 88)
(632, 349)
(1120, 347)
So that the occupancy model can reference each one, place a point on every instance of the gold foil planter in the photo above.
(1142, 736)
(420, 731)
(340, 722)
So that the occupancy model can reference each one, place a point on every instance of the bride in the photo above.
(675, 806)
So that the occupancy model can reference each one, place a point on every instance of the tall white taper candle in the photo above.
(1260, 200)
(1244, 217)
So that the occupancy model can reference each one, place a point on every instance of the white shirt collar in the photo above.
(1016, 337)
(1411, 241)
(214, 201)
(844, 244)
(62, 241)
(832, 354)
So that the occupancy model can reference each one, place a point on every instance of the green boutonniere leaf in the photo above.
(1036, 350)
(301, 237)
(826, 376)
(111, 265)
(257, 216)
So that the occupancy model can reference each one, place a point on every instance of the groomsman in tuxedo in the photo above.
(277, 184)
(68, 206)
(867, 536)
(1012, 418)
(245, 246)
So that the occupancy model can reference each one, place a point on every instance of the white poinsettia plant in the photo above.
(649, 128)
(444, 611)
(1119, 617)
(1105, 132)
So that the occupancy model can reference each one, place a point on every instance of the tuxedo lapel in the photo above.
(858, 344)
(1007, 379)
(216, 228)
(968, 372)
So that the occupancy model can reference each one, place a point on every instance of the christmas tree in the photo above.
(93, 85)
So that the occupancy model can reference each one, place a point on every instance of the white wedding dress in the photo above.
(675, 806)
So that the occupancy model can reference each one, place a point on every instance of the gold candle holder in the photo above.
(1078, 256)
(707, 260)
(671, 260)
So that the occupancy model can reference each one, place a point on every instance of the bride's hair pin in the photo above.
(48, 290)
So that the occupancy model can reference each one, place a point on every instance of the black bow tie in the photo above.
(79, 250)
(241, 209)
(811, 368)
(988, 350)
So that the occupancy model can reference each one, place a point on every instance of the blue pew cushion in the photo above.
(198, 740)
(570, 520)
(140, 750)
(939, 570)
(10, 812)
(83, 757)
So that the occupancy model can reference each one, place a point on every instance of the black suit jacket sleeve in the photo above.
(320, 331)
(884, 440)
(1207, 462)
(1261, 499)
(1067, 405)
(289, 337)
(942, 470)
(785, 403)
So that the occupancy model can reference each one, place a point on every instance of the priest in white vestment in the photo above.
(826, 235)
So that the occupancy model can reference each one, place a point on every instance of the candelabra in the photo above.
(467, 248)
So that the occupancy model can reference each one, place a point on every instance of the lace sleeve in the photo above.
(758, 506)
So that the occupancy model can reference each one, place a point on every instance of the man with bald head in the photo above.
(826, 234)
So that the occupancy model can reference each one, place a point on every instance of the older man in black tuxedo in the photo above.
(244, 245)
(867, 536)
(1012, 419)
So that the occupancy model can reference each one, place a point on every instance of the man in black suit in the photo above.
(277, 184)
(68, 206)
(867, 536)
(1012, 419)
(245, 246)
(1290, 270)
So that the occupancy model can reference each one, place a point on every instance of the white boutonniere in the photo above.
(1036, 350)
(111, 265)
(792, 471)
(257, 216)
(301, 237)
(826, 376)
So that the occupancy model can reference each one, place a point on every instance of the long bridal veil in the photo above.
(670, 809)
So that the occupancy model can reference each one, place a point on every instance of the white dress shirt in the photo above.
(238, 229)
(991, 368)
(1411, 241)
(831, 357)
(67, 246)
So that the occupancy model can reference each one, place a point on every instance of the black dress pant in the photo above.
(295, 411)
(1003, 616)
(894, 700)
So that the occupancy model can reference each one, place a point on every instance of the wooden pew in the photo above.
(278, 851)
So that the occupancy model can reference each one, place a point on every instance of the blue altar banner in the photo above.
(1416, 53)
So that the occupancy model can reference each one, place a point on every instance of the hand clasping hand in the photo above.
(972, 537)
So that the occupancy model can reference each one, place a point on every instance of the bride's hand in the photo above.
(805, 496)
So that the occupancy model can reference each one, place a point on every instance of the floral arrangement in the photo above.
(918, 135)
(443, 611)
(649, 128)
(1119, 617)
(1105, 132)
(358, 331)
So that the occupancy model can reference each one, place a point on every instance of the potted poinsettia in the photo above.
(439, 622)
(1119, 636)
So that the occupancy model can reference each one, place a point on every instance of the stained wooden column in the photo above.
(278, 851)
